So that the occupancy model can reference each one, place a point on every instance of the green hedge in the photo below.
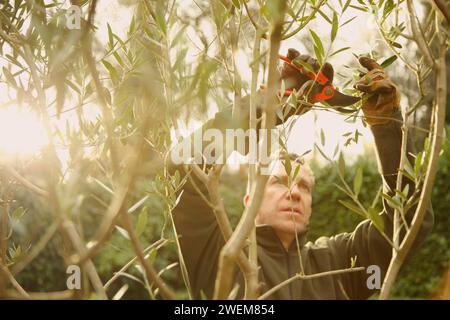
(418, 279)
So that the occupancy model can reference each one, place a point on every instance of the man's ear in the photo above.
(246, 198)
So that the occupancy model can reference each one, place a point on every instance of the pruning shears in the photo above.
(327, 92)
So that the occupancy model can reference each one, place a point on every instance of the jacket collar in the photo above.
(268, 239)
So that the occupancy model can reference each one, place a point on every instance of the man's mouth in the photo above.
(292, 210)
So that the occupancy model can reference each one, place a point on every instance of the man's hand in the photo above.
(293, 79)
(381, 96)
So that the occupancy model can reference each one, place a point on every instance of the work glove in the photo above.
(381, 96)
(305, 87)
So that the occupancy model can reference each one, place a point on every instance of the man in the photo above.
(286, 209)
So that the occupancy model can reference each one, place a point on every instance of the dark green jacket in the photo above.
(201, 241)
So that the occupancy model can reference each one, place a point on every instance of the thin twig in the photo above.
(307, 277)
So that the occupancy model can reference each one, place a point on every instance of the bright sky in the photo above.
(360, 35)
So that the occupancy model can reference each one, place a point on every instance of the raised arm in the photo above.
(382, 113)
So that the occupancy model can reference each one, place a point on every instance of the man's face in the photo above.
(287, 210)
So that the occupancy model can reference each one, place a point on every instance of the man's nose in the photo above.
(294, 193)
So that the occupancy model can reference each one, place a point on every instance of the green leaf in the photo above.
(359, 8)
(418, 163)
(318, 54)
(321, 152)
(392, 202)
(317, 42)
(334, 27)
(161, 21)
(343, 190)
(142, 221)
(324, 16)
(296, 171)
(110, 36)
(322, 137)
(180, 34)
(352, 207)
(376, 219)
(341, 165)
(338, 51)
(388, 61)
(288, 167)
(396, 44)
(118, 58)
(123, 232)
(18, 213)
(301, 63)
(9, 77)
(112, 71)
(132, 25)
(135, 206)
(357, 183)
(346, 6)
(237, 3)
(348, 21)
(388, 7)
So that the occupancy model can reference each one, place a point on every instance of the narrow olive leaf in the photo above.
(318, 54)
(336, 150)
(388, 61)
(392, 202)
(357, 183)
(321, 152)
(123, 232)
(180, 34)
(338, 51)
(396, 44)
(322, 137)
(353, 208)
(161, 21)
(297, 169)
(418, 163)
(9, 77)
(407, 174)
(104, 186)
(334, 27)
(358, 8)
(237, 3)
(112, 71)
(72, 85)
(346, 5)
(288, 167)
(341, 165)
(317, 42)
(110, 35)
(118, 58)
(376, 219)
(388, 7)
(142, 221)
(138, 204)
(324, 16)
(132, 25)
(343, 190)
(301, 63)
(348, 21)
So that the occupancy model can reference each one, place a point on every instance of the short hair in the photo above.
(296, 158)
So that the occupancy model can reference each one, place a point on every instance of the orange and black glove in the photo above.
(293, 79)
(381, 96)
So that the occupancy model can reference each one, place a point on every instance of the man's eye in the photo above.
(303, 186)
(281, 181)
